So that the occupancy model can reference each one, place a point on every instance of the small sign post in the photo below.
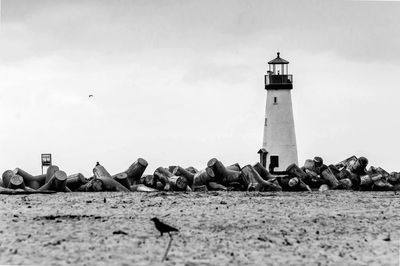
(46, 160)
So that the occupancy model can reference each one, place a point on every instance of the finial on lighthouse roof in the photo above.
(278, 53)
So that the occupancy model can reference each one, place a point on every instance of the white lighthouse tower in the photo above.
(279, 134)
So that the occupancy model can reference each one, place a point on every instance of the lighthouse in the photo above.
(279, 142)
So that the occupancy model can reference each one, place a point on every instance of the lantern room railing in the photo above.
(278, 79)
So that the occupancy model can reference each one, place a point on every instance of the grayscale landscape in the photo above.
(199, 132)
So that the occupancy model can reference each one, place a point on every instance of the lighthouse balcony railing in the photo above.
(278, 79)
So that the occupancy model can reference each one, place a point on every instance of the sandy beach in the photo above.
(216, 228)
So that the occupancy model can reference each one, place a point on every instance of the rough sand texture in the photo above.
(235, 228)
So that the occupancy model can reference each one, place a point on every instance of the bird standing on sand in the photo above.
(163, 228)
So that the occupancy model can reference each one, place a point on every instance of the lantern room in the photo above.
(278, 75)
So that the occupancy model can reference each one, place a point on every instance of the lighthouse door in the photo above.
(274, 162)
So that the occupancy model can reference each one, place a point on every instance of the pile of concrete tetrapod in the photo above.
(350, 174)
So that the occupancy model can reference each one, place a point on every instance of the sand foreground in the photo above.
(216, 228)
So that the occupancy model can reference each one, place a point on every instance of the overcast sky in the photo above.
(179, 82)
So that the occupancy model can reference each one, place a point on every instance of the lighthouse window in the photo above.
(275, 100)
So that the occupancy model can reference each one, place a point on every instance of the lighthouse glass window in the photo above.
(275, 100)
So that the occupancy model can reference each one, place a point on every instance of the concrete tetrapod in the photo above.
(203, 177)
(327, 175)
(394, 178)
(171, 168)
(16, 181)
(313, 179)
(75, 181)
(289, 183)
(309, 164)
(223, 175)
(192, 169)
(254, 181)
(108, 183)
(347, 162)
(136, 170)
(250, 181)
(170, 181)
(94, 185)
(31, 181)
(323, 188)
(335, 171)
(294, 170)
(6, 177)
(342, 174)
(179, 171)
(234, 167)
(262, 171)
(366, 181)
(179, 183)
(148, 180)
(50, 172)
(122, 178)
(376, 182)
(344, 183)
(382, 185)
(58, 182)
(358, 167)
(377, 170)
(161, 174)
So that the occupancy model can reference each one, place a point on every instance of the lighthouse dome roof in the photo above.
(278, 60)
